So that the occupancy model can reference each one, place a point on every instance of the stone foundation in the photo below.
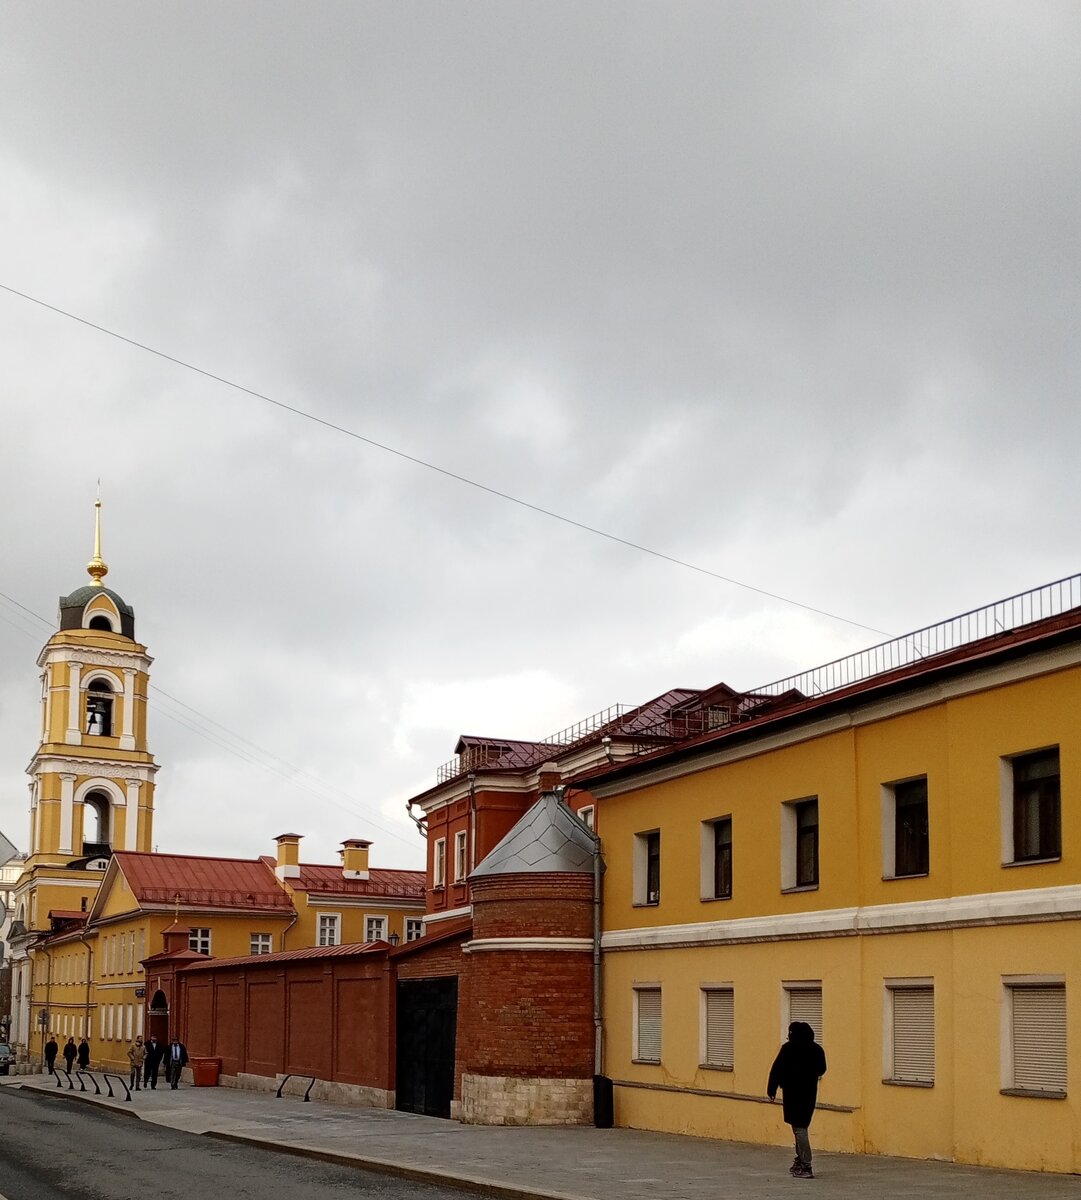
(503, 1100)
(325, 1089)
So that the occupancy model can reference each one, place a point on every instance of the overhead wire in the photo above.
(262, 758)
(430, 466)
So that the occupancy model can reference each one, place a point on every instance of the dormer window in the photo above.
(99, 709)
(100, 622)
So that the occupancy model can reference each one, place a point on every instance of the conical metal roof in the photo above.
(548, 838)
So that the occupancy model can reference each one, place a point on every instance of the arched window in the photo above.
(100, 622)
(99, 708)
(97, 811)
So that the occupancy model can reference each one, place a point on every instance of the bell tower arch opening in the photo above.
(99, 707)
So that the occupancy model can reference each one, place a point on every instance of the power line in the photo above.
(430, 466)
(261, 758)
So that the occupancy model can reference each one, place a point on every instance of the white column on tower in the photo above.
(74, 734)
(67, 808)
(131, 820)
(127, 736)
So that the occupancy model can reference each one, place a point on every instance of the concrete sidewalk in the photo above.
(578, 1163)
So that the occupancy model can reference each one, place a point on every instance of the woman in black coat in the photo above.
(796, 1070)
(84, 1054)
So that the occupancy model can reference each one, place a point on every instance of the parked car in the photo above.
(7, 1057)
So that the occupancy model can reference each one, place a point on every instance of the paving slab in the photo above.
(560, 1163)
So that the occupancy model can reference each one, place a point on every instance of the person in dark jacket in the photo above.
(799, 1065)
(176, 1059)
(70, 1050)
(155, 1051)
(50, 1055)
(84, 1054)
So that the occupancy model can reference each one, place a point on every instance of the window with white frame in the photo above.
(329, 929)
(906, 847)
(587, 816)
(260, 943)
(1034, 1024)
(461, 869)
(414, 928)
(647, 867)
(375, 929)
(716, 859)
(909, 1050)
(803, 1002)
(718, 1029)
(439, 863)
(199, 939)
(1031, 807)
(647, 1024)
(799, 843)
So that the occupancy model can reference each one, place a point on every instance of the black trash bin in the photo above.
(602, 1102)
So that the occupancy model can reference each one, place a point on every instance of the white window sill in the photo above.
(801, 887)
(1031, 1094)
(1033, 862)
(913, 1083)
(914, 875)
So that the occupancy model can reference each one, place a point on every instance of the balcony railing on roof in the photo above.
(1050, 600)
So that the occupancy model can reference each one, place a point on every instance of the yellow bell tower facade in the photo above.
(91, 777)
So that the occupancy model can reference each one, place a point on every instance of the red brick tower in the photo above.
(525, 1018)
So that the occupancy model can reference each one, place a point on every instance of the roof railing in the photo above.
(1001, 617)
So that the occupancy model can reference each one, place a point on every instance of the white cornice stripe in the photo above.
(369, 903)
(866, 709)
(431, 918)
(988, 908)
(573, 945)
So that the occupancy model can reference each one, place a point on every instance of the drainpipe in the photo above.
(598, 1024)
(296, 917)
(48, 996)
(419, 822)
(472, 820)
(89, 976)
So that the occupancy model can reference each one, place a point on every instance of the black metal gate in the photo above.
(427, 1023)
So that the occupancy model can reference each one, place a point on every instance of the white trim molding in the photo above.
(431, 918)
(562, 945)
(955, 912)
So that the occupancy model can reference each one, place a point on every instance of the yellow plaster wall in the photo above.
(958, 744)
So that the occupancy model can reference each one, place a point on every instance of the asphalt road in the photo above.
(54, 1149)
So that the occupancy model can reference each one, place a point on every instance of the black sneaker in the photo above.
(804, 1173)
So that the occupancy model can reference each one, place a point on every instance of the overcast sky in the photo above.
(787, 291)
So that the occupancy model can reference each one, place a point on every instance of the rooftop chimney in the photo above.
(355, 858)
(549, 778)
(288, 855)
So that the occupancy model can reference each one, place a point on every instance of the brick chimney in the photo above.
(549, 777)
(355, 858)
(288, 855)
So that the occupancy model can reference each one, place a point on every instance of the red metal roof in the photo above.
(349, 950)
(381, 881)
(195, 881)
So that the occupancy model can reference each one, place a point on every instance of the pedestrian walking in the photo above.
(796, 1070)
(51, 1049)
(70, 1051)
(176, 1061)
(155, 1051)
(84, 1054)
(136, 1056)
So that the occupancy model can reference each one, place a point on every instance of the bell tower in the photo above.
(92, 776)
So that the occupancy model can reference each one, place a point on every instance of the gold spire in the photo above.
(96, 567)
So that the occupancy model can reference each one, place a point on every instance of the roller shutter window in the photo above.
(719, 1027)
(805, 1004)
(913, 1034)
(648, 1024)
(1038, 1026)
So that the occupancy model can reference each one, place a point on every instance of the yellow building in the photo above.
(93, 901)
(91, 788)
(890, 849)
